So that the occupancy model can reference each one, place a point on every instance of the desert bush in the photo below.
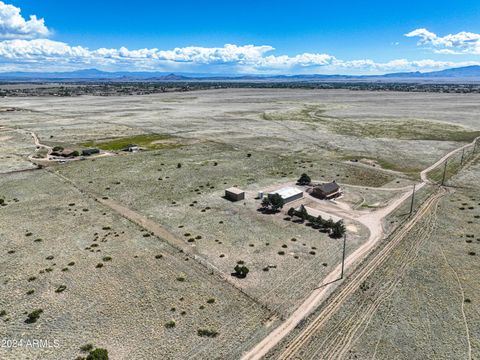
(210, 301)
(170, 324)
(60, 289)
(86, 347)
(181, 279)
(33, 316)
(98, 354)
(207, 333)
(99, 265)
(107, 258)
(240, 271)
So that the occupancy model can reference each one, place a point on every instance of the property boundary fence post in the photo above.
(343, 255)
(444, 172)
(413, 199)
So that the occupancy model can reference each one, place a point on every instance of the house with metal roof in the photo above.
(326, 191)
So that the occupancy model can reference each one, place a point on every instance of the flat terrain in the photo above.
(158, 223)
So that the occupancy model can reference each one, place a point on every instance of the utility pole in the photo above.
(413, 199)
(343, 255)
(444, 172)
(463, 154)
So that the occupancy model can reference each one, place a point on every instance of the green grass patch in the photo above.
(146, 141)
(402, 129)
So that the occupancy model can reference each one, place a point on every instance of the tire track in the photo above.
(358, 278)
(342, 342)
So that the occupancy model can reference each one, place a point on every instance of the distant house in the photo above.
(288, 194)
(66, 153)
(234, 194)
(131, 148)
(326, 191)
(88, 152)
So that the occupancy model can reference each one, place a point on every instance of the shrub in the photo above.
(159, 256)
(86, 347)
(31, 278)
(98, 354)
(181, 279)
(33, 316)
(207, 333)
(107, 258)
(170, 324)
(71, 263)
(179, 166)
(210, 301)
(240, 271)
(304, 179)
(30, 292)
(281, 253)
(99, 265)
(3, 313)
(60, 289)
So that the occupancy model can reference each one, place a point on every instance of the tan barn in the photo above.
(234, 194)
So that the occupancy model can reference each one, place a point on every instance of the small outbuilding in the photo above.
(234, 194)
(288, 194)
(131, 148)
(327, 191)
(88, 152)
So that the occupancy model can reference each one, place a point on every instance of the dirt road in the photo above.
(374, 223)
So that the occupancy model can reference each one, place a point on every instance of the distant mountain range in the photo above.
(467, 73)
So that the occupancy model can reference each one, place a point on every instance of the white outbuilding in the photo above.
(288, 194)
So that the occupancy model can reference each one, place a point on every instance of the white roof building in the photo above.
(288, 194)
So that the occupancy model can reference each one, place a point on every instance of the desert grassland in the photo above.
(423, 301)
(198, 144)
(49, 233)
(352, 123)
(189, 202)
(15, 147)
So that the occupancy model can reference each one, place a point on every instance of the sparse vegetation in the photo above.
(33, 316)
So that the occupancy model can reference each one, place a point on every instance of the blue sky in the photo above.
(348, 37)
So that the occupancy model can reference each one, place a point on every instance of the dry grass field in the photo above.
(151, 294)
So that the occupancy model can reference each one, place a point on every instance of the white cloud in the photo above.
(461, 43)
(25, 47)
(49, 55)
(14, 26)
